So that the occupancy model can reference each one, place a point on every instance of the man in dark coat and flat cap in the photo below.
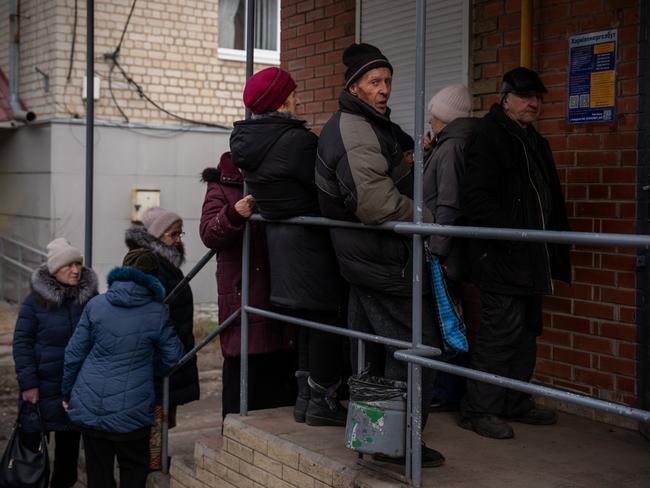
(511, 182)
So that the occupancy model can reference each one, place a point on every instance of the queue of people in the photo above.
(94, 363)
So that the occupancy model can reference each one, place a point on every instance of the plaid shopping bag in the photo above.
(449, 319)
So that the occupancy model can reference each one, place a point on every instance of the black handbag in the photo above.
(21, 467)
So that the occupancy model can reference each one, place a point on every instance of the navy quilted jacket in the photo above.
(122, 337)
(46, 321)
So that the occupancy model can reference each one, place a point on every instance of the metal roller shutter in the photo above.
(390, 25)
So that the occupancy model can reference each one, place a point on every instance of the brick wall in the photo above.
(314, 34)
(589, 344)
(170, 49)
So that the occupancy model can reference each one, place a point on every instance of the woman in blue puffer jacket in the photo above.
(123, 337)
(47, 318)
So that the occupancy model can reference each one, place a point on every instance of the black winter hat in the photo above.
(522, 80)
(360, 58)
(142, 260)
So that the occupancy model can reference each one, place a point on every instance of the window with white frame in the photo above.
(232, 30)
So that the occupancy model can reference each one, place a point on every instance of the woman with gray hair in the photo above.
(60, 288)
(451, 125)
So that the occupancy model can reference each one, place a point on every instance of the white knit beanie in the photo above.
(157, 220)
(450, 103)
(60, 253)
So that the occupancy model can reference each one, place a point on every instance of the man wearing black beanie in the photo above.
(362, 176)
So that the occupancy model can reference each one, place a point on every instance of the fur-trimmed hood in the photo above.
(137, 237)
(130, 287)
(54, 293)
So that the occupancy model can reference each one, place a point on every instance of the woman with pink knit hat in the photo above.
(277, 154)
(162, 233)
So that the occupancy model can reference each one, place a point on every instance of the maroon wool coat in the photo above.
(222, 228)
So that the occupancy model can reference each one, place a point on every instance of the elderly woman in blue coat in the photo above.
(123, 337)
(47, 318)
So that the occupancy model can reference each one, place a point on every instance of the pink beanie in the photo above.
(157, 220)
(450, 103)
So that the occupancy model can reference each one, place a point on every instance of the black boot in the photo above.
(324, 407)
(304, 393)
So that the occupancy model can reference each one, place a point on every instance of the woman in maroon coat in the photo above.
(271, 345)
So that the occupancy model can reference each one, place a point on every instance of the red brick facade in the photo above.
(589, 343)
(314, 34)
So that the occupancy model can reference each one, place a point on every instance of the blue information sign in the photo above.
(592, 77)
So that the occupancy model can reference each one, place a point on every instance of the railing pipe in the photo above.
(354, 334)
(523, 386)
(246, 245)
(209, 338)
(188, 277)
(599, 239)
(90, 131)
(414, 442)
(164, 447)
(165, 398)
(24, 246)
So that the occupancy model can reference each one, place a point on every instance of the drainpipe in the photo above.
(14, 39)
(526, 53)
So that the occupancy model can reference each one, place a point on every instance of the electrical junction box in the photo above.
(96, 86)
(141, 200)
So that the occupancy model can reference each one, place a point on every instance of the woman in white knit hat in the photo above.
(162, 233)
(451, 125)
(60, 288)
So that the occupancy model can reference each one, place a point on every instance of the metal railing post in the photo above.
(164, 448)
(245, 262)
(3, 275)
(19, 283)
(361, 355)
(414, 444)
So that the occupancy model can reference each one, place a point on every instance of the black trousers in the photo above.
(132, 457)
(271, 381)
(505, 344)
(66, 455)
(392, 316)
(320, 353)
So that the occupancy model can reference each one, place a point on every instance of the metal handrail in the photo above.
(414, 356)
(27, 247)
(526, 387)
(164, 448)
(17, 263)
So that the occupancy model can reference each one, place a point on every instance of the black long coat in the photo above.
(509, 172)
(277, 155)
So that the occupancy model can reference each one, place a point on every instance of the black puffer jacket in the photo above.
(277, 155)
(46, 321)
(362, 177)
(184, 384)
(511, 182)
